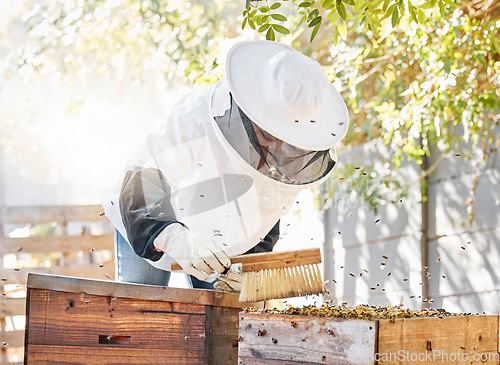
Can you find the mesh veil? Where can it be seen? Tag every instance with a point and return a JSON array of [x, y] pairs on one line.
[[278, 160]]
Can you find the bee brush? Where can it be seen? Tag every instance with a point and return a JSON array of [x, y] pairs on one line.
[[276, 275]]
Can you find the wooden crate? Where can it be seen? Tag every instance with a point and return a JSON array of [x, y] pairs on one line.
[[73, 320], [448, 340], [289, 339]]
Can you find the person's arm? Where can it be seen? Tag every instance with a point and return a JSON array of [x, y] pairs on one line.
[[152, 227], [267, 244], [145, 209]]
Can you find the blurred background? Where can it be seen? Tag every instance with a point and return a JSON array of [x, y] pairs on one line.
[[411, 214]]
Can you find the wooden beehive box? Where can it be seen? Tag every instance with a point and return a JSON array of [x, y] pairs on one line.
[[269, 338], [80, 321]]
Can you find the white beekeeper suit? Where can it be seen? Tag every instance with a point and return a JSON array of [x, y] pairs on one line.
[[230, 160]]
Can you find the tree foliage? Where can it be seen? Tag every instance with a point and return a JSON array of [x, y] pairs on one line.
[[336, 14], [433, 88], [423, 78], [124, 39]]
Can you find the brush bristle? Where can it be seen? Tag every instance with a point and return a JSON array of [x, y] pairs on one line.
[[281, 283]]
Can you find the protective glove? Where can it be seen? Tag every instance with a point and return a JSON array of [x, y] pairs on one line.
[[197, 254], [232, 281]]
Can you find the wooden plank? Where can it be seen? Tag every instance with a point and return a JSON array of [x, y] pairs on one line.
[[256, 361], [119, 355], [287, 339], [91, 271], [441, 340], [12, 307], [13, 338], [43, 214], [27, 327], [79, 319], [56, 244], [136, 291], [223, 334], [272, 260]]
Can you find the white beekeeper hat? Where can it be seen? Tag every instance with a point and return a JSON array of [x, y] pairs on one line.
[[287, 94]]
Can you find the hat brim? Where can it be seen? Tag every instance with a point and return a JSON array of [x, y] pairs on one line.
[[244, 70]]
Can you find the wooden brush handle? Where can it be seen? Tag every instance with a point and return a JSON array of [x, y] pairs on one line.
[[272, 260]]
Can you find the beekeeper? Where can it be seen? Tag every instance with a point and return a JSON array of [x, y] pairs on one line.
[[229, 161]]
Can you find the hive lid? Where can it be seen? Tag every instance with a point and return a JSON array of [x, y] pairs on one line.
[[133, 291]]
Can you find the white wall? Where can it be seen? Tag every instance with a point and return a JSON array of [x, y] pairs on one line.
[[461, 280]]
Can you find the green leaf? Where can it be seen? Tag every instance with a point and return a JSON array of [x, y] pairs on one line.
[[341, 10], [314, 32], [395, 17], [441, 9], [251, 24], [427, 5], [243, 25], [261, 19], [263, 27], [302, 20], [315, 21], [280, 29], [270, 36], [421, 16], [482, 60], [279, 17], [496, 44], [332, 16], [342, 30], [362, 20], [275, 6], [413, 14], [304, 4], [264, 9], [313, 14], [386, 4], [391, 9], [327, 4]]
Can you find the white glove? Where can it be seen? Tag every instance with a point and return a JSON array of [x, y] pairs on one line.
[[232, 281], [197, 254]]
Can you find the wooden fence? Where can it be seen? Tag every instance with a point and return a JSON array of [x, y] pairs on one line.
[[63, 240]]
